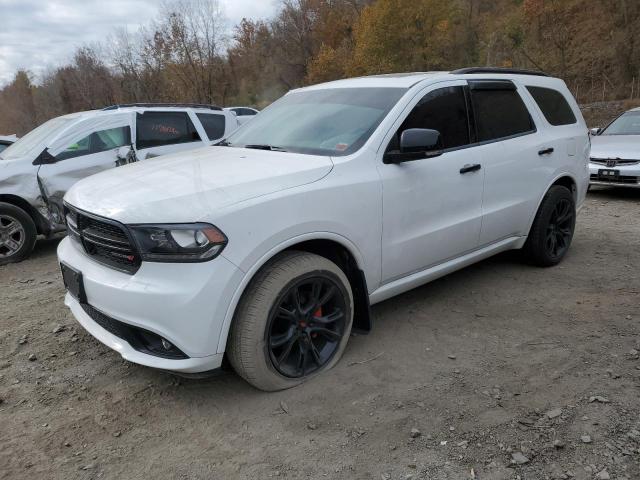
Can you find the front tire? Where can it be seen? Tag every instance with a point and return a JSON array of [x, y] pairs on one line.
[[292, 323], [17, 234], [553, 228]]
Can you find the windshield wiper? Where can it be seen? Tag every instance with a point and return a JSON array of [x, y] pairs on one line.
[[222, 143], [266, 147]]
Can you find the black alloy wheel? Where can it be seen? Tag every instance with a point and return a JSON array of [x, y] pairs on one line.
[[560, 229], [553, 227], [306, 326]]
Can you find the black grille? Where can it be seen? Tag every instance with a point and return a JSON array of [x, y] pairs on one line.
[[620, 180], [141, 340], [104, 240]]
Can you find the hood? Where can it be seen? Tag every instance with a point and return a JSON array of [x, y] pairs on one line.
[[616, 146], [190, 186], [21, 162]]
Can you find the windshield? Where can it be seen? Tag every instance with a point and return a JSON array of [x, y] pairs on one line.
[[332, 122], [626, 124], [35, 139]]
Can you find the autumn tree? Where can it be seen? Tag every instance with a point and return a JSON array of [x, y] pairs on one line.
[[188, 53], [18, 106], [408, 35], [334, 39], [255, 78]]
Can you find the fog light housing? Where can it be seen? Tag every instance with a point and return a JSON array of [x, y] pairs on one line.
[[140, 339]]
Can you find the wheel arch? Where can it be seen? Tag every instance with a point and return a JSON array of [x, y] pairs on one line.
[[335, 248], [42, 227], [564, 179], [344, 258]]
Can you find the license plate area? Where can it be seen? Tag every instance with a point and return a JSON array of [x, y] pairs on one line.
[[73, 282], [608, 175]]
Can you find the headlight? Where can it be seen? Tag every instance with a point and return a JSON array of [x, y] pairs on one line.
[[196, 242]]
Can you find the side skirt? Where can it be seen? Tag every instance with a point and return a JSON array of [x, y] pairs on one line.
[[425, 276]]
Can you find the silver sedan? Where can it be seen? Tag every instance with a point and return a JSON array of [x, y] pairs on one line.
[[615, 152]]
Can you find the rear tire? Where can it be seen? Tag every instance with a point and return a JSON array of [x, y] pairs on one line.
[[17, 234], [552, 229], [282, 309]]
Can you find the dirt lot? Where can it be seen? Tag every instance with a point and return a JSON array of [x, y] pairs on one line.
[[490, 366]]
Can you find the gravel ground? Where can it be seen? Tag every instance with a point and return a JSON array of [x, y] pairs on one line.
[[499, 371]]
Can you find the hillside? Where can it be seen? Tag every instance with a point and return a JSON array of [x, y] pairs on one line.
[[186, 56]]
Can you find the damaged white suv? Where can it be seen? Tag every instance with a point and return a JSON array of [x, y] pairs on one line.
[[271, 247], [38, 169]]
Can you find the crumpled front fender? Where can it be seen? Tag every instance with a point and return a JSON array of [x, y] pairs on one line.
[[19, 185]]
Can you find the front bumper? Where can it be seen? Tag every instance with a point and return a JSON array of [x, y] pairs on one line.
[[184, 303], [629, 175]]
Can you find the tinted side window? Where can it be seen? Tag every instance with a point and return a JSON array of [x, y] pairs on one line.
[[155, 129], [213, 124], [110, 139], [444, 110], [553, 105], [500, 114], [246, 111], [97, 142]]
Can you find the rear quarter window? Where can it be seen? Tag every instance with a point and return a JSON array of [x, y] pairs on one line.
[[155, 129], [500, 113], [554, 106], [213, 124]]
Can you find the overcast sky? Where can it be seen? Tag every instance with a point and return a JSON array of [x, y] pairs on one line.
[[38, 34]]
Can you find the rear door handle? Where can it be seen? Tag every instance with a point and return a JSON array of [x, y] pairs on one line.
[[470, 168], [546, 151]]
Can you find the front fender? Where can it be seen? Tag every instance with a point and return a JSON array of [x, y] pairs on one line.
[[264, 258], [19, 186]]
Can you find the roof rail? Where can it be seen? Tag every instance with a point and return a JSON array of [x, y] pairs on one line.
[[514, 71], [151, 105]]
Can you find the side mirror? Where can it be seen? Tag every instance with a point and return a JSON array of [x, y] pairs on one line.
[[125, 155], [595, 131], [419, 140], [45, 158], [416, 144], [123, 152]]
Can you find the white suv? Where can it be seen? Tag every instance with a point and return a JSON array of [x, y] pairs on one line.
[[271, 247], [38, 169]]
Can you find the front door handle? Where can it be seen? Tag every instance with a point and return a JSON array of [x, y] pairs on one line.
[[546, 151], [470, 168]]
